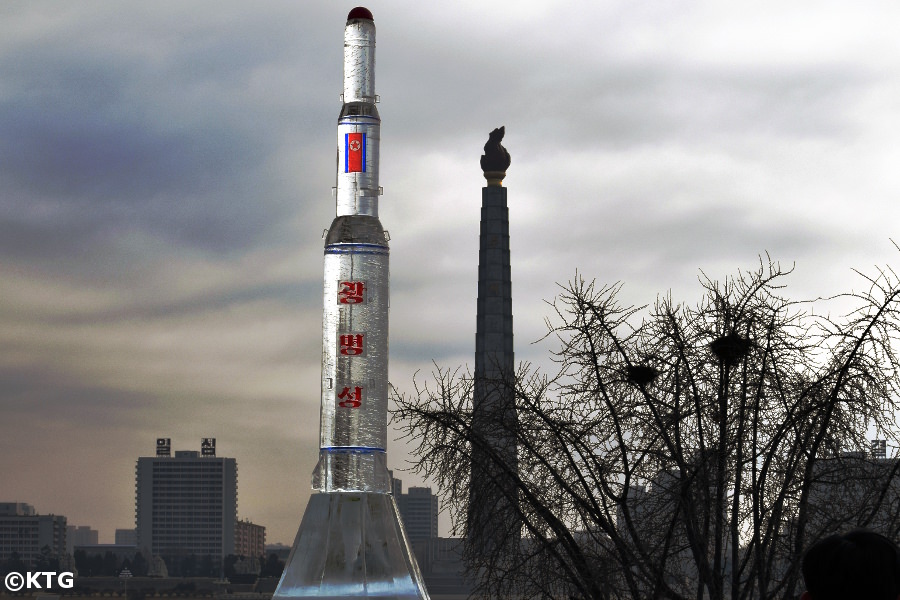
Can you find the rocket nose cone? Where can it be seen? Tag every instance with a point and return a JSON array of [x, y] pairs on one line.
[[360, 12]]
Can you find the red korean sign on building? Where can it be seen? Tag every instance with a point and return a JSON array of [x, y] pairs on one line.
[[354, 153]]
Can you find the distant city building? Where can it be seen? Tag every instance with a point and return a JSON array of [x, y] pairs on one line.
[[396, 484], [17, 509], [126, 537], [80, 535], [249, 539], [855, 489], [419, 511], [187, 504], [121, 552], [440, 559], [441, 563], [26, 533], [658, 520]]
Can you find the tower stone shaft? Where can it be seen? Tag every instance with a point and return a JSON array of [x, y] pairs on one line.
[[493, 505]]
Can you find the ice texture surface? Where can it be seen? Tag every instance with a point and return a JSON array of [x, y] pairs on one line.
[[353, 418], [351, 545]]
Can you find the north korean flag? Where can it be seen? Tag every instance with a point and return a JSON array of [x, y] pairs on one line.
[[354, 153]]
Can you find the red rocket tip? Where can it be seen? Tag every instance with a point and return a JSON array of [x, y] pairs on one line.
[[360, 12]]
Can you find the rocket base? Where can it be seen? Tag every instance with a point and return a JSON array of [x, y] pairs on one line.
[[351, 544]]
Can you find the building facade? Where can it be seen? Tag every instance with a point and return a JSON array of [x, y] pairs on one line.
[[126, 537], [80, 535], [419, 511], [442, 565], [249, 539], [26, 533], [186, 505], [855, 489]]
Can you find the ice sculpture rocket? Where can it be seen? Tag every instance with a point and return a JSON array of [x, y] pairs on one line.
[[351, 541]]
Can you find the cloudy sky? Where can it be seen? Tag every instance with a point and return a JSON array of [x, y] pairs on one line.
[[166, 172]]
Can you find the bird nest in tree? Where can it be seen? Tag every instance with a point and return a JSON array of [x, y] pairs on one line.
[[641, 374], [730, 348]]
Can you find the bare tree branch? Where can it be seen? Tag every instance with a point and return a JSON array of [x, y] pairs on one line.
[[677, 452]]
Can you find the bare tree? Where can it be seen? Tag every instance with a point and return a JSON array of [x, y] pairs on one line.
[[679, 452]]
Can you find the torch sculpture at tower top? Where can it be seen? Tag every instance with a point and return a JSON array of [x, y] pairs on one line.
[[351, 541]]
